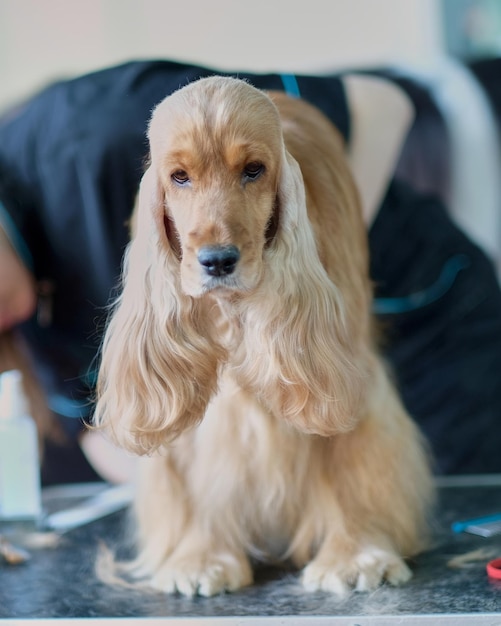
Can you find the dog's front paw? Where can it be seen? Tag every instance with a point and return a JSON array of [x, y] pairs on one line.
[[364, 572], [203, 575]]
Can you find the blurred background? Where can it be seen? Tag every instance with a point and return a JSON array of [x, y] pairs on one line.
[[446, 53], [49, 39]]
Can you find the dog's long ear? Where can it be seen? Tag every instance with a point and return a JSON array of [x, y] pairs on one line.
[[302, 355], [159, 363]]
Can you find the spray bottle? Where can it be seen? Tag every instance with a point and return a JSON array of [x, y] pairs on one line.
[[20, 490]]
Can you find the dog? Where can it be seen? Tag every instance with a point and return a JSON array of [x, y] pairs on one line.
[[240, 359]]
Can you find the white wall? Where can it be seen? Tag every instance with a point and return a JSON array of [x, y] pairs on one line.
[[42, 40]]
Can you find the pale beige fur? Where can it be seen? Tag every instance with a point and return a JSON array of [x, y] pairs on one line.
[[269, 426]]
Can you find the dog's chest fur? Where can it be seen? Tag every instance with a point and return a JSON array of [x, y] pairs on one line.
[[250, 468]]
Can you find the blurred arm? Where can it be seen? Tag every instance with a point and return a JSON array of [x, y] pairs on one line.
[[381, 115]]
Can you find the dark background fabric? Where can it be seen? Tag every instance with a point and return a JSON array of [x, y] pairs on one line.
[[445, 351]]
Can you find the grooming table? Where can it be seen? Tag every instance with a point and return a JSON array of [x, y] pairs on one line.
[[58, 584]]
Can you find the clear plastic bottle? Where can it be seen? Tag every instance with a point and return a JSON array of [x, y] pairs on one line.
[[20, 490]]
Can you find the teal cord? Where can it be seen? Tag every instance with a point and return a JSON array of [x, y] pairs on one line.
[[420, 299]]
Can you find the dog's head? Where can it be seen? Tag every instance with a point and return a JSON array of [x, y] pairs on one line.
[[222, 211], [216, 154]]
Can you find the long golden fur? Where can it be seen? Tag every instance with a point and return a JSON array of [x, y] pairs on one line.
[[252, 387]]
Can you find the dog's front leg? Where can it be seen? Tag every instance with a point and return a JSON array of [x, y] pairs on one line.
[[184, 545], [344, 563], [202, 566]]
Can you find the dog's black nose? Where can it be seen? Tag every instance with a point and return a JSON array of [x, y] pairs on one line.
[[218, 260]]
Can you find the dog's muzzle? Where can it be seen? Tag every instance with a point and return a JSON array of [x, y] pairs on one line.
[[218, 260]]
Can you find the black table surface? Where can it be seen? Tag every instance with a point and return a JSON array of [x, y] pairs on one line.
[[59, 583]]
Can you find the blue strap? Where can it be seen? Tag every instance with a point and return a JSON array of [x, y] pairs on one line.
[[420, 299], [291, 87]]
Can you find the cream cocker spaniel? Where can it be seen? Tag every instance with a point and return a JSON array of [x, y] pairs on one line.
[[240, 359]]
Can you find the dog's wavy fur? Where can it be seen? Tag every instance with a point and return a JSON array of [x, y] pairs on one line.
[[268, 423]]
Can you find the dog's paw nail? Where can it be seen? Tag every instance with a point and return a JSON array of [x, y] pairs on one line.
[[365, 572], [212, 582], [398, 574], [368, 581], [375, 566], [187, 585], [317, 578], [204, 576]]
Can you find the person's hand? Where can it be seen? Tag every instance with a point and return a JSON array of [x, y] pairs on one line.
[[17, 287]]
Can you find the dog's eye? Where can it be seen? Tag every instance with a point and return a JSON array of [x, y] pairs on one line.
[[180, 177], [253, 170]]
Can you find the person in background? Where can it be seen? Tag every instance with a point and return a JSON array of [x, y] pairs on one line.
[[71, 159]]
